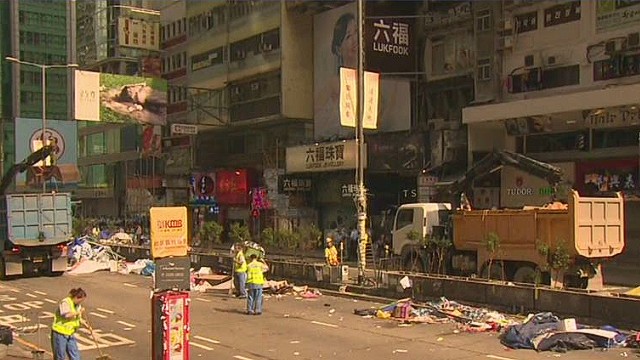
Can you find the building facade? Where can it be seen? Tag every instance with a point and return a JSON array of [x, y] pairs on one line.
[[117, 37], [569, 82], [40, 32]]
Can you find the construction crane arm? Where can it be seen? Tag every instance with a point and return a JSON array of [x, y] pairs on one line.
[[35, 157]]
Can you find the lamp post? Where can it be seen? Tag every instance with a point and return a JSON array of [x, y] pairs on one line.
[[43, 68], [361, 200]]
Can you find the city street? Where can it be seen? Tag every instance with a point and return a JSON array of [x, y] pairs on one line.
[[290, 328]]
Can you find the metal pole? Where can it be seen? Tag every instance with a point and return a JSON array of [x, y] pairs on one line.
[[361, 197], [44, 119]]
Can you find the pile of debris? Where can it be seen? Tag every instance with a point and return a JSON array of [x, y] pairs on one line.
[[467, 318], [547, 332], [87, 256]]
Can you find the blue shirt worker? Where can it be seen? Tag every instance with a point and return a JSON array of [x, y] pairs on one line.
[[255, 281], [67, 320]]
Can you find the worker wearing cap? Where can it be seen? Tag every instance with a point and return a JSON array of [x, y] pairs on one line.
[[331, 253]]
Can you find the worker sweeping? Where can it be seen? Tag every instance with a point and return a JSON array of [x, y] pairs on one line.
[[67, 320]]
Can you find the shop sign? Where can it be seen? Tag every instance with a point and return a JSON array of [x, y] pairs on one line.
[[349, 190], [184, 129], [322, 157], [390, 44], [232, 187], [612, 118], [169, 231], [520, 188], [295, 184], [615, 14], [460, 11], [562, 13], [526, 22], [408, 194]]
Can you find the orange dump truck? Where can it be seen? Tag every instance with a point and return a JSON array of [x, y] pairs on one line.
[[558, 246]]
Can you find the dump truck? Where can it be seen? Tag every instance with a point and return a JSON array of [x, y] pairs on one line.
[[34, 227], [562, 245]]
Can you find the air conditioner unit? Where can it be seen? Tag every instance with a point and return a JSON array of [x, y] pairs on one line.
[[506, 42], [508, 24]]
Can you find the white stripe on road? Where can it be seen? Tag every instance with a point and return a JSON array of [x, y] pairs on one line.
[[98, 315], [32, 296], [241, 357], [203, 300], [125, 324], [105, 311], [324, 324], [206, 339], [129, 285], [498, 357], [200, 346], [40, 292], [14, 290], [50, 301]]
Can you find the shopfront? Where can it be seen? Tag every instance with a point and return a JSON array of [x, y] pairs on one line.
[[330, 169]]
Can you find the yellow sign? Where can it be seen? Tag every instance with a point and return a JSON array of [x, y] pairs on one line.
[[169, 231]]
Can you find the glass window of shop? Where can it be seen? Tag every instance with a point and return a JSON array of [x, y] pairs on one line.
[[96, 176], [614, 138], [112, 139], [96, 144]]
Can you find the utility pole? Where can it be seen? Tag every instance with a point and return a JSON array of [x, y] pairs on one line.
[[361, 200]]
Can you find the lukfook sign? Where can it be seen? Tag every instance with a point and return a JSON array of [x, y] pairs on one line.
[[390, 45], [391, 37], [317, 157]]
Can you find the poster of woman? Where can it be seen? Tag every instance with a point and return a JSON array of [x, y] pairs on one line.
[[335, 46]]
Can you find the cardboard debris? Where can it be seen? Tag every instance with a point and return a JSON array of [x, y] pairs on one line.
[[634, 292]]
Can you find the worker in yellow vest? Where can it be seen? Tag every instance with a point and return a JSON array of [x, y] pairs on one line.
[[240, 272], [255, 281], [331, 253], [67, 320]]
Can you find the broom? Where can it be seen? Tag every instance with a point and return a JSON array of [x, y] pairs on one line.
[[102, 355]]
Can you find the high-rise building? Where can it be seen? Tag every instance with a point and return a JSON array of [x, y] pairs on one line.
[[116, 37], [40, 32]]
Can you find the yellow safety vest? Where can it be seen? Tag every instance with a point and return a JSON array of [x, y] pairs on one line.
[[242, 268], [254, 273], [331, 254], [64, 326]]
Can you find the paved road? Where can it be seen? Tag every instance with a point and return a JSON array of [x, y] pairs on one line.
[[290, 328]]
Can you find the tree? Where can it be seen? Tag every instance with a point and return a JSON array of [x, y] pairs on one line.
[[211, 231], [239, 233], [492, 243]]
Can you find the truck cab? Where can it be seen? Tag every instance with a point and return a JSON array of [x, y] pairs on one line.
[[424, 218]]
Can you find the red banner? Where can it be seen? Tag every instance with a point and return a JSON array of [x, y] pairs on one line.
[[232, 187]]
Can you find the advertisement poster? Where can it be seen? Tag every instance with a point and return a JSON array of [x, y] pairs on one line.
[[336, 46], [616, 14], [60, 168], [121, 98], [139, 34], [169, 231], [176, 328]]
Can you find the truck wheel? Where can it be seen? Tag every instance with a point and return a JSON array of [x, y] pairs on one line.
[[526, 275], [413, 263], [493, 273]]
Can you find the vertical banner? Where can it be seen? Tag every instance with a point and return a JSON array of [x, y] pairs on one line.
[[87, 95], [169, 231], [371, 97], [348, 97]]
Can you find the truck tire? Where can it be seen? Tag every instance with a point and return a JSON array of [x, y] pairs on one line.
[[495, 272], [527, 275], [413, 262]]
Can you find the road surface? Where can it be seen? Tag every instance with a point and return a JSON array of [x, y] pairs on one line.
[[119, 309]]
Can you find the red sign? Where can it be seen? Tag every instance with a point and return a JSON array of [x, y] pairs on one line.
[[232, 187], [608, 175]]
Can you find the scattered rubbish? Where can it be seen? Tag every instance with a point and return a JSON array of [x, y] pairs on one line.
[[332, 311], [439, 339], [294, 342], [400, 351], [296, 353]]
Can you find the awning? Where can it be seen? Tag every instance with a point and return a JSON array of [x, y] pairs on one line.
[[621, 95]]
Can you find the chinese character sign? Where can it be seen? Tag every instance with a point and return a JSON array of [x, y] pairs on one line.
[[322, 157], [169, 231], [371, 96], [136, 33], [348, 96], [390, 45]]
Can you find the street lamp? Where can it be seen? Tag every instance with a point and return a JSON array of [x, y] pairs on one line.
[[361, 200], [43, 68]]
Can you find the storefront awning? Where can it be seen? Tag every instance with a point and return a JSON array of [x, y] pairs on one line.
[[621, 95]]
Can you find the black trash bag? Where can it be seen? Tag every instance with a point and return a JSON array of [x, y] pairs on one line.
[[567, 341], [365, 312], [521, 336], [6, 335]]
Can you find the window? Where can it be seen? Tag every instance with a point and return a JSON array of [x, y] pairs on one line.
[[404, 218], [538, 79], [613, 138], [569, 141], [483, 20], [96, 144], [437, 58], [617, 66], [484, 69]]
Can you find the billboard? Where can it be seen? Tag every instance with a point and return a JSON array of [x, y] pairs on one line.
[[322, 157], [169, 231], [120, 98], [616, 14], [61, 169], [335, 46], [396, 152], [139, 34]]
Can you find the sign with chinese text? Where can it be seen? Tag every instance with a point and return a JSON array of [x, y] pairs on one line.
[[184, 129], [232, 187], [322, 157], [349, 190], [348, 98], [289, 184], [616, 14], [390, 45], [605, 176], [139, 34], [169, 231], [526, 22], [562, 13]]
